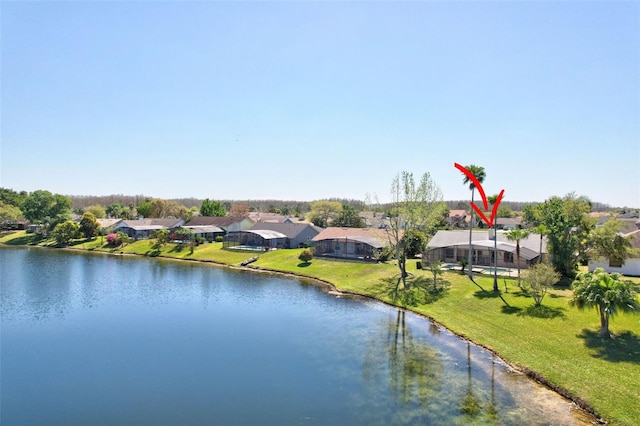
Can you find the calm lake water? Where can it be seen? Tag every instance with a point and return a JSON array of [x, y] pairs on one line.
[[107, 340]]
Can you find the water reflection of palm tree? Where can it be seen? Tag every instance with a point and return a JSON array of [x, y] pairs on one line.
[[491, 410], [470, 403], [415, 369]]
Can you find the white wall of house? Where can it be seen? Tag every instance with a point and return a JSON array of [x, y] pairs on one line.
[[630, 267]]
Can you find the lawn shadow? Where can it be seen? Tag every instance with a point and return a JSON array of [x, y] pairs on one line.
[[419, 290], [510, 310], [304, 264], [623, 347], [554, 296], [542, 311], [26, 240], [484, 294], [177, 248]]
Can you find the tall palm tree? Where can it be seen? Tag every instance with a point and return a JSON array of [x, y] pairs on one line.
[[517, 235], [479, 174], [542, 230]]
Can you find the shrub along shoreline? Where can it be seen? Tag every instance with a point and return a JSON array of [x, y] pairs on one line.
[[556, 345]]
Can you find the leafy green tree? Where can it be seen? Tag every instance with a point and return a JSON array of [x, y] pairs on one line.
[[144, 208], [306, 255], [605, 292], [9, 213], [348, 218], [480, 175], [118, 211], [415, 241], [11, 197], [606, 241], [61, 206], [158, 208], [322, 212], [89, 226], [517, 235], [568, 225], [162, 238], [212, 208], [413, 208], [538, 279], [504, 211], [64, 232], [37, 206], [97, 211], [46, 208]]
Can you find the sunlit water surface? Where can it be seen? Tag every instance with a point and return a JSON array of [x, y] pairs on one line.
[[110, 340]]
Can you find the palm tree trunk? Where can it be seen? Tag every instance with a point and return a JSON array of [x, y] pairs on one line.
[[604, 323], [495, 257], [471, 238], [518, 260], [540, 258]]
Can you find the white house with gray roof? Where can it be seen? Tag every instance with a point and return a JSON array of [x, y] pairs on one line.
[[453, 246]]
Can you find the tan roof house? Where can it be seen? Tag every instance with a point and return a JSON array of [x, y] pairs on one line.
[[351, 243]]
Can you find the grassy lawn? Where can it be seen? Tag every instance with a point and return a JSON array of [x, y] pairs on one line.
[[557, 343]]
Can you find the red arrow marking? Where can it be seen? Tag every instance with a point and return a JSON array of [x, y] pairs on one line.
[[477, 184]]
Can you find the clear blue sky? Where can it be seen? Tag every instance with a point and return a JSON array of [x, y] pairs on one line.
[[309, 100]]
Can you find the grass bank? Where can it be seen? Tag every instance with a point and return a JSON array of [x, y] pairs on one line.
[[556, 344]]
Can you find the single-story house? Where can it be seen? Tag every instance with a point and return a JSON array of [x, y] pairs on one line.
[[227, 223], [350, 243], [255, 239], [630, 266], [453, 246], [298, 234], [208, 232], [143, 228]]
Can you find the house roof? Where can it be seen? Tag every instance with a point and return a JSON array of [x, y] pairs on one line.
[[459, 213], [509, 220], [634, 237], [291, 230], [163, 223], [220, 221], [372, 236], [529, 247], [267, 234], [205, 229], [106, 223], [146, 227]]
